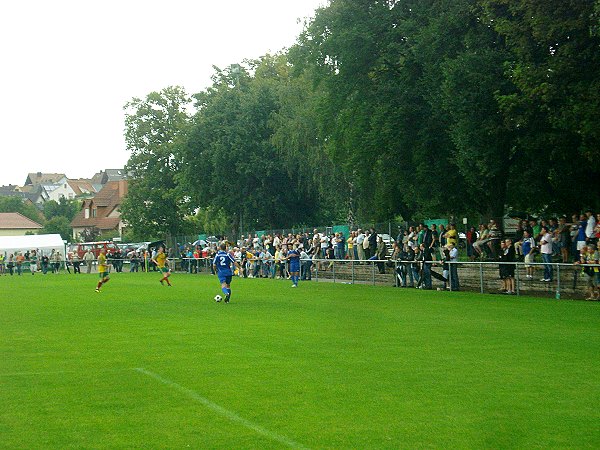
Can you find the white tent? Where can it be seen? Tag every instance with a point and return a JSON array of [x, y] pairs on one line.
[[43, 242]]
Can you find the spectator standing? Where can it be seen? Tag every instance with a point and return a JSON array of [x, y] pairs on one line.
[[507, 271], [33, 262], [427, 237], [133, 261], [443, 241], [563, 235], [324, 242], [546, 251], [436, 249], [11, 264], [341, 245], [589, 255], [411, 268], [268, 267], [453, 253], [471, 237], [366, 244], [20, 259], [56, 262], [380, 254], [44, 261], [88, 258], [2, 258], [359, 243], [528, 249], [334, 241], [75, 261], [427, 261], [451, 235], [350, 244], [589, 227], [305, 265], [580, 236], [372, 242], [536, 229]]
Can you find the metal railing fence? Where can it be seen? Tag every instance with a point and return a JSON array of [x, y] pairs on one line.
[[567, 280]]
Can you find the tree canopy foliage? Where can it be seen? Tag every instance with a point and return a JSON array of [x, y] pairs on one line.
[[383, 108], [26, 208]]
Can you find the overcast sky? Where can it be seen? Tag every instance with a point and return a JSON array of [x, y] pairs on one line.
[[68, 67]]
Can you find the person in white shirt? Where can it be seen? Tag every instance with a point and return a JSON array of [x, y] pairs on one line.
[[305, 264], [453, 252], [268, 267], [358, 242], [324, 244], [546, 251], [589, 227]]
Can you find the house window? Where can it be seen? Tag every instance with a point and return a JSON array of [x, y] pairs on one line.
[[94, 212], [86, 213], [70, 196]]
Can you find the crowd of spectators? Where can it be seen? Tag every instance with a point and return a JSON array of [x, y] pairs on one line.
[[30, 261], [414, 253]]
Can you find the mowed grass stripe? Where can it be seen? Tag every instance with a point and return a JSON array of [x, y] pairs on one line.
[[334, 366]]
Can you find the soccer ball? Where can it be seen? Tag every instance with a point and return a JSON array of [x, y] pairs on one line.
[[218, 298]]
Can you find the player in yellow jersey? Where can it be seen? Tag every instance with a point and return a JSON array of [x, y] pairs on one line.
[[102, 270], [161, 262]]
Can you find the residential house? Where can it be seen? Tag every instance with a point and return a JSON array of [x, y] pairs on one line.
[[41, 187], [71, 189], [104, 176], [40, 178], [16, 224], [34, 194], [102, 211], [83, 188]]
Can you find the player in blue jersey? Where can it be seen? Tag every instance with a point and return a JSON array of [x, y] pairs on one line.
[[293, 257], [222, 264]]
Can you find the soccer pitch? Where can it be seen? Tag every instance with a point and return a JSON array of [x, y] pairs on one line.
[[326, 365]]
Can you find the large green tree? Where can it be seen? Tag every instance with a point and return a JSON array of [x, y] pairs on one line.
[[555, 111], [62, 208], [26, 208], [155, 133], [380, 67], [59, 225], [231, 162]]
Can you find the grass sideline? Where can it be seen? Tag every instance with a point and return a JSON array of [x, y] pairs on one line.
[[322, 366]]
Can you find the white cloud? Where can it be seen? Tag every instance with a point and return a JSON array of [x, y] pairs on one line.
[[68, 67]]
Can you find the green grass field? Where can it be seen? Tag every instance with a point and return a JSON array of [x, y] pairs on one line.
[[322, 366]]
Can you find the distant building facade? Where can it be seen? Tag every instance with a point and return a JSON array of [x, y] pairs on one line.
[[16, 224], [102, 211]]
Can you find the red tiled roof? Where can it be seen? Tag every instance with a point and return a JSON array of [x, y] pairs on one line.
[[81, 186], [12, 221], [106, 201]]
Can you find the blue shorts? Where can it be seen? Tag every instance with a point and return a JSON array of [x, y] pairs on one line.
[[225, 278], [294, 267]]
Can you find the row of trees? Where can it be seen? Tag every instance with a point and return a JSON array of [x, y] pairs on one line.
[[383, 108]]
